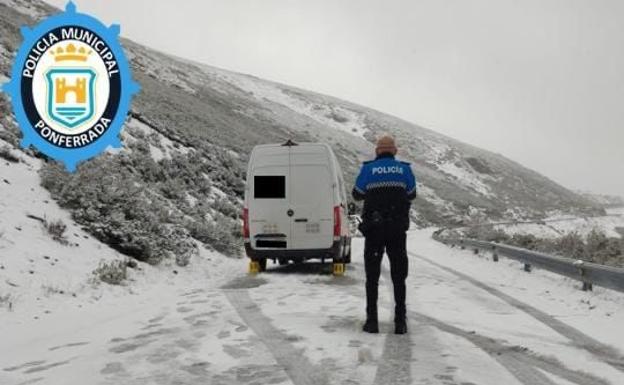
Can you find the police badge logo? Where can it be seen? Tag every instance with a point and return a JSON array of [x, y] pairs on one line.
[[71, 87]]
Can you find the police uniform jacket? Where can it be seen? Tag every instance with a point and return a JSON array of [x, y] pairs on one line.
[[387, 186]]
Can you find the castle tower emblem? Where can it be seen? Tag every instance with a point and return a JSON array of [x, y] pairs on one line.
[[71, 86]]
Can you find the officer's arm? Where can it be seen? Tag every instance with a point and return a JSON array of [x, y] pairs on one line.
[[410, 183], [359, 190]]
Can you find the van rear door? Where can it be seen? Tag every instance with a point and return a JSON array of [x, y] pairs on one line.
[[269, 224], [311, 198]]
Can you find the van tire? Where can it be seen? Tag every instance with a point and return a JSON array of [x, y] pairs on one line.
[[282, 261], [263, 264], [347, 257]]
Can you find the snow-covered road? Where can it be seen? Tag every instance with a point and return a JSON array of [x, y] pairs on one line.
[[472, 321]]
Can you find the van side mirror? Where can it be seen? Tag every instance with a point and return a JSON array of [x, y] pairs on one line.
[[352, 208]]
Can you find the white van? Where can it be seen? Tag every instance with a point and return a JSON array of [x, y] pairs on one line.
[[295, 205]]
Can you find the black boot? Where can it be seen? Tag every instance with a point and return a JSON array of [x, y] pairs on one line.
[[400, 326], [371, 325]]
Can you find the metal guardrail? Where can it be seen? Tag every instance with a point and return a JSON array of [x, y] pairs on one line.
[[586, 272]]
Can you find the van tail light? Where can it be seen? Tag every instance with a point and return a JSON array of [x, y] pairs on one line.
[[337, 224], [246, 224]]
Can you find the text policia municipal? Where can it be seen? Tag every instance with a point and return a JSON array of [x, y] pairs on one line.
[[70, 33]]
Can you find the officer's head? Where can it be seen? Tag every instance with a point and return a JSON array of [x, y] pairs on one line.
[[386, 145]]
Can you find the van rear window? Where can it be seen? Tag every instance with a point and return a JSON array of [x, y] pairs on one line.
[[269, 186]]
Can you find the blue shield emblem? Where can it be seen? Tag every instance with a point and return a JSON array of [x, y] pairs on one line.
[[71, 93]]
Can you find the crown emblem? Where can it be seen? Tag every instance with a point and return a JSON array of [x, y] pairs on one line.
[[70, 53]]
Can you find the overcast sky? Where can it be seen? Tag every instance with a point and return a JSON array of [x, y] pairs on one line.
[[539, 81]]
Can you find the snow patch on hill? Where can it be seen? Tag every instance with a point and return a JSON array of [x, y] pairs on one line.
[[161, 70], [161, 147], [449, 162], [556, 226], [328, 114], [612, 201]]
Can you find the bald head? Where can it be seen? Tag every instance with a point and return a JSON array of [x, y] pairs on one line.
[[386, 145]]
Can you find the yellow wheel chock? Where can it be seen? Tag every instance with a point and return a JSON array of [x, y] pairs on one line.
[[339, 269], [254, 267]]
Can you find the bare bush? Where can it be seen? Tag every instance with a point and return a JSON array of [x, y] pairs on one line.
[[221, 237], [572, 245], [226, 208], [602, 249], [487, 233], [526, 241], [6, 154], [56, 229], [6, 300], [113, 273]]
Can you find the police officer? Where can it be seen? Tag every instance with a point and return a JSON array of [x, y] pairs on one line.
[[387, 187]]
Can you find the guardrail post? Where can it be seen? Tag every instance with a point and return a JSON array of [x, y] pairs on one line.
[[494, 254], [527, 267], [587, 285]]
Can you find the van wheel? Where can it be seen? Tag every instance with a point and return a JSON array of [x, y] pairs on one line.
[[263, 263], [282, 261]]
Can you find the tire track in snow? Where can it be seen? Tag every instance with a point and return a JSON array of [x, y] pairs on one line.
[[300, 370], [520, 362], [394, 365], [524, 365], [603, 352], [395, 362]]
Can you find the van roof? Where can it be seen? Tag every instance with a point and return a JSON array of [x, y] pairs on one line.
[[275, 149], [304, 144]]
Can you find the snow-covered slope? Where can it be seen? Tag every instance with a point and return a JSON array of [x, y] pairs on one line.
[[32, 263], [192, 103], [608, 201], [458, 182]]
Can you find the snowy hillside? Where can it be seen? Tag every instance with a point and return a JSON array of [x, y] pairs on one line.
[[458, 182], [607, 201], [201, 106], [47, 258], [611, 224]]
